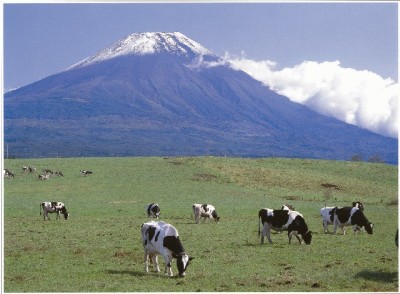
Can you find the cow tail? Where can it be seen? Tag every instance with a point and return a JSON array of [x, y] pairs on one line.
[[259, 224], [40, 209]]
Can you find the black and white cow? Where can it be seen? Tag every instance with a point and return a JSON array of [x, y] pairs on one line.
[[350, 216], [53, 172], [7, 174], [153, 210], [44, 177], [283, 220], [85, 172], [57, 173], [53, 207], [162, 238], [205, 211], [327, 214], [28, 169]]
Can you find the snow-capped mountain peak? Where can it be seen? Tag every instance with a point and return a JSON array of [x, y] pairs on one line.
[[147, 43]]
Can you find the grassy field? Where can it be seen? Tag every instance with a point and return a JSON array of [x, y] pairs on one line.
[[98, 249]]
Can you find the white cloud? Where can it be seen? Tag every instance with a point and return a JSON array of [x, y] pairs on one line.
[[361, 98], [199, 62]]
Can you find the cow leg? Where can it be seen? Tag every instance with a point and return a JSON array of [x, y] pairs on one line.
[[168, 269], [290, 235], [146, 261], [153, 258], [325, 225], [298, 238], [334, 228], [155, 262], [263, 233], [266, 232]]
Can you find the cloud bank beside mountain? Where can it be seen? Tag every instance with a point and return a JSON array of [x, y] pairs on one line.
[[361, 98]]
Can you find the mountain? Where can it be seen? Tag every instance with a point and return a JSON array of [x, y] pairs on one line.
[[165, 94]]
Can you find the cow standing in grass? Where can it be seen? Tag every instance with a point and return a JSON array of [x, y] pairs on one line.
[[327, 214], [283, 220], [205, 211], [44, 177], [53, 207], [162, 238], [350, 216], [85, 172], [28, 169], [153, 210], [7, 174]]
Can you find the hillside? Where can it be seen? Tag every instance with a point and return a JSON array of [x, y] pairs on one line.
[[101, 238]]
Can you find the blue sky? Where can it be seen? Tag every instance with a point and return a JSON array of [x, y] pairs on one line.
[[339, 59], [43, 39]]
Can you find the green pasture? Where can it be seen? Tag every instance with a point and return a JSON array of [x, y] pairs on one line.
[[98, 249]]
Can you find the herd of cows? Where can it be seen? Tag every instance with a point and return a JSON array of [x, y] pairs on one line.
[[45, 175], [160, 238]]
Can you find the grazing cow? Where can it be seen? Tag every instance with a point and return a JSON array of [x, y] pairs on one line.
[[52, 172], [44, 177], [85, 172], [327, 214], [7, 174], [162, 238], [283, 220], [205, 211], [350, 216], [57, 173], [153, 210], [53, 207], [28, 169]]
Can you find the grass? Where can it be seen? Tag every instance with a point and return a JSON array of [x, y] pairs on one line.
[[99, 249]]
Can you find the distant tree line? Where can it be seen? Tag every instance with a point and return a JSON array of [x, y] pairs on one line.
[[376, 158]]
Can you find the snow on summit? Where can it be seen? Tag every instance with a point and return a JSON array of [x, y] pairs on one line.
[[147, 43]]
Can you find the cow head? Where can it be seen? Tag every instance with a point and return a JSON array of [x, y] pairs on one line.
[[65, 212], [369, 227], [215, 216], [182, 261], [307, 237], [359, 205], [156, 210]]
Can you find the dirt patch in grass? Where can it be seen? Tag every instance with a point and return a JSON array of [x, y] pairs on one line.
[[18, 278], [122, 254], [203, 177], [330, 186]]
